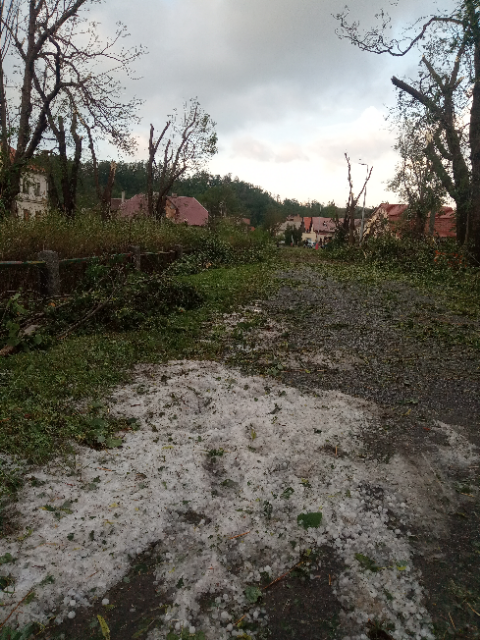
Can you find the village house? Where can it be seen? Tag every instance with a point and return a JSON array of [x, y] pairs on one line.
[[308, 233], [323, 228], [179, 209], [388, 218], [32, 201], [316, 228], [292, 222]]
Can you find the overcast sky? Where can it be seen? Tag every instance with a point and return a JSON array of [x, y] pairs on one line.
[[289, 97]]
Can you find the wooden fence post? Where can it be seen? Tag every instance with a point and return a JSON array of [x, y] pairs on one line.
[[49, 273], [137, 257], [178, 251]]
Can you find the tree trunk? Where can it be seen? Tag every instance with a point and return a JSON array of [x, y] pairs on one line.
[[63, 160], [462, 193], [106, 204], [160, 205], [75, 165], [53, 195], [151, 158], [351, 234], [473, 228], [6, 160], [431, 224]]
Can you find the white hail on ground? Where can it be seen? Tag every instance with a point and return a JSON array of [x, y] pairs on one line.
[[220, 454]]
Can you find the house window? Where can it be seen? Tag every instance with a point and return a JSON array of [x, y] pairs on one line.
[[25, 186]]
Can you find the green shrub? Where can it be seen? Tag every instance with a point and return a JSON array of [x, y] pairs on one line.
[[122, 299], [226, 246]]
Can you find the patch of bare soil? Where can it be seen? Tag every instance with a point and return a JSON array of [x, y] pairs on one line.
[[304, 608], [130, 609]]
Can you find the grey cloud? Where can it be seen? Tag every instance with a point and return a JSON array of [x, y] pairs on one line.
[[286, 93], [254, 149], [253, 61], [248, 147]]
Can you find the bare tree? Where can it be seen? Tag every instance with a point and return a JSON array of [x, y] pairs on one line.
[[349, 220], [62, 62], [190, 143], [29, 26], [448, 90]]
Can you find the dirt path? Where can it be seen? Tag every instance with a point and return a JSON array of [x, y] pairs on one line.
[[377, 343], [230, 458]]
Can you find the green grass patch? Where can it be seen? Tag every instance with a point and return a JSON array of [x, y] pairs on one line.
[[52, 397]]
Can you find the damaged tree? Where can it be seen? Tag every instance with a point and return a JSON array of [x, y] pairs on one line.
[[349, 220], [59, 53], [415, 179], [64, 199], [190, 143], [448, 86], [29, 26]]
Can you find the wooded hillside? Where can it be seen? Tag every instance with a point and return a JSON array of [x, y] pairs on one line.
[[221, 195]]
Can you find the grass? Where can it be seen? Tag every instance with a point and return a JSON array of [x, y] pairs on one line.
[[41, 391], [87, 235]]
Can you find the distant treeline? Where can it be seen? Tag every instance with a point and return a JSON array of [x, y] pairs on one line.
[[220, 195]]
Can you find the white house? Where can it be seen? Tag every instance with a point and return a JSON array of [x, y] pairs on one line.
[[32, 199]]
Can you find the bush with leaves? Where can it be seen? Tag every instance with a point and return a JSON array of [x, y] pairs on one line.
[[13, 325], [218, 250], [121, 299]]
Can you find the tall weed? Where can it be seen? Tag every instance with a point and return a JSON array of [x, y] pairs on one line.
[[88, 235]]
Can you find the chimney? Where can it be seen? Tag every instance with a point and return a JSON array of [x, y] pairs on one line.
[[123, 197]]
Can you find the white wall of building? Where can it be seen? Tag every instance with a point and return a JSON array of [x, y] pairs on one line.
[[32, 199]]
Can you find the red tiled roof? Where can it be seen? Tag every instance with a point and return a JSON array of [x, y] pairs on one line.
[[394, 210], [307, 223], [134, 206], [326, 225], [444, 221], [189, 210]]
